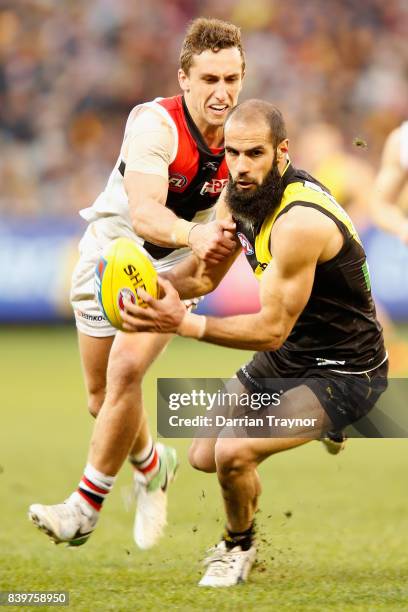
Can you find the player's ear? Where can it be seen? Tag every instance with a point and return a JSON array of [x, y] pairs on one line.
[[183, 80], [282, 149]]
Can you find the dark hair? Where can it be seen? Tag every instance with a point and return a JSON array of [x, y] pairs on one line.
[[213, 34], [259, 109]]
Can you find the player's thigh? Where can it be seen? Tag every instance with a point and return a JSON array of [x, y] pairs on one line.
[[131, 355], [305, 419], [94, 352]]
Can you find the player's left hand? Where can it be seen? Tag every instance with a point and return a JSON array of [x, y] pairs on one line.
[[163, 316]]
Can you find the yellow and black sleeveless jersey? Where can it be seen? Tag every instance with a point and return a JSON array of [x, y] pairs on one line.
[[338, 328]]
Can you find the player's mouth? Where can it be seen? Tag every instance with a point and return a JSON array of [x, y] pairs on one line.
[[219, 109], [245, 184]]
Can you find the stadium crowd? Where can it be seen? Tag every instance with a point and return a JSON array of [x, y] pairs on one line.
[[70, 71]]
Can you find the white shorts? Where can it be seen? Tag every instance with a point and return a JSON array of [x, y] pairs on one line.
[[88, 316]]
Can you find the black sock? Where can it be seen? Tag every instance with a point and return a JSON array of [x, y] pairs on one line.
[[243, 539]]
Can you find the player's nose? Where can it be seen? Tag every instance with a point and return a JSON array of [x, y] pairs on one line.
[[242, 167], [221, 92]]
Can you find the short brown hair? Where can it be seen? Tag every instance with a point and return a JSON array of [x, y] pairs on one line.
[[213, 34]]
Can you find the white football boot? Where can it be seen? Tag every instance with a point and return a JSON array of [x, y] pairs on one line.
[[151, 499], [71, 522], [227, 568]]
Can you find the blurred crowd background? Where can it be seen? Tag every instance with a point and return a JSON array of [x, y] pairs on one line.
[[70, 71]]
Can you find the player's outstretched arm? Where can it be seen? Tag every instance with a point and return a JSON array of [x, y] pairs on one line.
[[156, 223], [285, 289], [194, 277], [150, 148], [390, 179]]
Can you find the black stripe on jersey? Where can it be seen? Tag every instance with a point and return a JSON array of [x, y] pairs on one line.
[[344, 231], [294, 175], [197, 136], [250, 232]]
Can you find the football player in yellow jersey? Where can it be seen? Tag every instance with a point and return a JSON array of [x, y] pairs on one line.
[[317, 320]]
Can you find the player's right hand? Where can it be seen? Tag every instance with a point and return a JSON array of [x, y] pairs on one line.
[[213, 241]]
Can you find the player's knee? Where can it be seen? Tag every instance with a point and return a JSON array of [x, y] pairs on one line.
[[202, 458], [95, 401], [233, 458], [124, 372]]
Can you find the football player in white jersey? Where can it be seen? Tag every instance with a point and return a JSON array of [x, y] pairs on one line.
[[387, 200], [135, 204]]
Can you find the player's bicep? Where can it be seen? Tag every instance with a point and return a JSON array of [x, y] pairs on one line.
[[142, 188], [287, 288], [150, 144], [149, 152], [287, 282]]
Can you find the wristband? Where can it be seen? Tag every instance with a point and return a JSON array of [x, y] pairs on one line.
[[193, 225], [192, 326], [181, 231]]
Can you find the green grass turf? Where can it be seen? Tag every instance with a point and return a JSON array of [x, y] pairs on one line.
[[344, 547]]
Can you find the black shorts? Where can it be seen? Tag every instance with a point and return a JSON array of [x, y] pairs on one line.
[[346, 398]]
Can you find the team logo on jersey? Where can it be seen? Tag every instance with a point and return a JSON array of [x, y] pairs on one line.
[[211, 166], [321, 361], [246, 245], [213, 187], [177, 181]]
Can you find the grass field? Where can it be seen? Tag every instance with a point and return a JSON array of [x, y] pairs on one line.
[[334, 530]]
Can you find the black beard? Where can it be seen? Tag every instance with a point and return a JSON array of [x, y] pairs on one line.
[[255, 205]]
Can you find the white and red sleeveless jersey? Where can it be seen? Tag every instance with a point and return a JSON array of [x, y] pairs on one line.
[[196, 174]]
